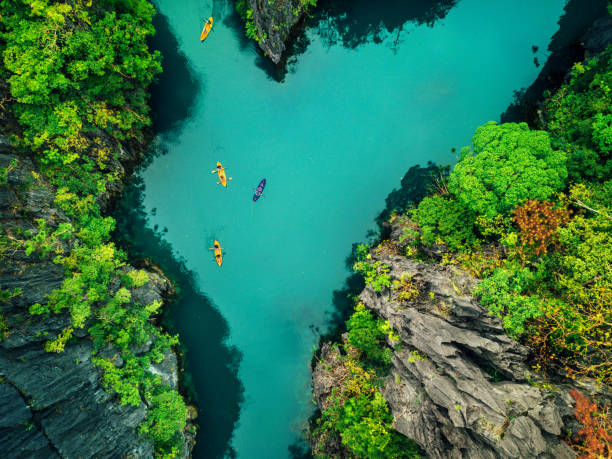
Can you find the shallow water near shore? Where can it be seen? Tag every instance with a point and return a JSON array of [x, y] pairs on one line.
[[332, 139]]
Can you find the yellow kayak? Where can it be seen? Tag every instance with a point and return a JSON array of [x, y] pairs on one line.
[[221, 173], [206, 29], [218, 254]]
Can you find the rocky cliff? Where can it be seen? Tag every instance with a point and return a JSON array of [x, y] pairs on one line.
[[275, 22], [458, 385], [52, 404]]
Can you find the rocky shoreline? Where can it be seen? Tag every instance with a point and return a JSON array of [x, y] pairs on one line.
[[458, 385], [276, 23], [53, 403]]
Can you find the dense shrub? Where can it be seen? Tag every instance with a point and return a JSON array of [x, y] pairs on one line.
[[594, 440], [375, 273], [509, 163], [508, 293], [445, 219], [369, 334], [579, 117], [538, 222], [166, 420], [357, 411]]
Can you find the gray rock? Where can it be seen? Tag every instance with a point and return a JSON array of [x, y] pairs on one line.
[[458, 385], [274, 22], [52, 404], [449, 393], [598, 36]]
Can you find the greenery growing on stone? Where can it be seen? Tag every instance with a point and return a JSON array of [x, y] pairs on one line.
[[508, 164], [445, 219], [375, 274], [369, 334], [245, 11], [579, 115], [553, 285], [357, 412], [78, 74]]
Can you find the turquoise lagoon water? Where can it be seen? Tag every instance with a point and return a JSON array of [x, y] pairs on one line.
[[332, 140]]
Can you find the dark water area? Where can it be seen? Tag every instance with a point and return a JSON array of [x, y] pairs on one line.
[[353, 23], [564, 50], [176, 90], [218, 399], [376, 91]]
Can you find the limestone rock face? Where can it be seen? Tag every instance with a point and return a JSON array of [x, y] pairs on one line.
[[52, 405], [466, 395], [598, 36], [275, 21], [458, 385]]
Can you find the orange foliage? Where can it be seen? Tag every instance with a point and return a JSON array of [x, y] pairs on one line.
[[594, 441], [538, 222]]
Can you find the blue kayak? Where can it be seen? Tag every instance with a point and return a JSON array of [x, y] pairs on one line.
[[259, 190]]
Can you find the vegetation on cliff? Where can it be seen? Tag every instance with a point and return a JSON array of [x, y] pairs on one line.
[[356, 411], [529, 213], [245, 10], [532, 217], [78, 74]]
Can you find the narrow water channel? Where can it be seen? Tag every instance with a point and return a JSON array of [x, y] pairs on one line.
[[369, 97]]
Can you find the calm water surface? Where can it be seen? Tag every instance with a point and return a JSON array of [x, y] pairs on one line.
[[332, 140]]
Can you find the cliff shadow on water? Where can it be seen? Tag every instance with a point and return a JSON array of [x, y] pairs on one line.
[[176, 89], [352, 23], [418, 182], [215, 373]]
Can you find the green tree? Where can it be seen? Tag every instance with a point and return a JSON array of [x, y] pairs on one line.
[[369, 335], [446, 219], [509, 163]]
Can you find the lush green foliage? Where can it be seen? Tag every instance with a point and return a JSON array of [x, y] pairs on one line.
[[509, 164], [166, 419], [78, 75], [445, 219], [507, 293], [75, 69], [579, 117], [357, 411], [375, 274], [369, 335]]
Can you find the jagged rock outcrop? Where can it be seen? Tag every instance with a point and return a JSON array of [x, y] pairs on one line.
[[275, 22], [458, 385], [52, 404]]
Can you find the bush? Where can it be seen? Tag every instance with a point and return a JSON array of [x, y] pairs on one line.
[[446, 219], [359, 414], [579, 117], [509, 164], [369, 335], [594, 440], [538, 222], [375, 274], [507, 294], [166, 420]]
